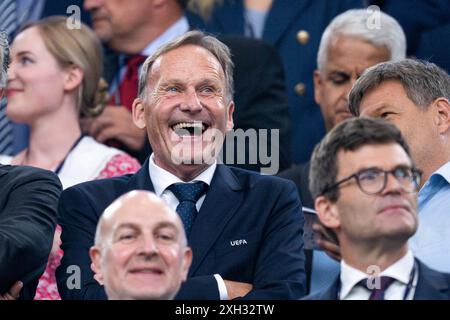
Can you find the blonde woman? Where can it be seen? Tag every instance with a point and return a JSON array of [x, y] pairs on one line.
[[53, 80]]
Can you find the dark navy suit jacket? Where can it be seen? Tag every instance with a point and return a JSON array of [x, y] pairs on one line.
[[240, 205], [28, 203], [431, 285]]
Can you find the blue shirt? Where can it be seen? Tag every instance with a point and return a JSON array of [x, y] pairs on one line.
[[431, 241]]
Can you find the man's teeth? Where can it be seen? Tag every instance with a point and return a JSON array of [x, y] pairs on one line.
[[188, 125]]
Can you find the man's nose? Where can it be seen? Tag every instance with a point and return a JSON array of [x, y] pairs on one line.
[[191, 101], [348, 88], [91, 4], [147, 245], [392, 184]]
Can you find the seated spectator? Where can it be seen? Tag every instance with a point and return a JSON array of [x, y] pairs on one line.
[[244, 228], [365, 188], [415, 96], [28, 202], [346, 49], [140, 249], [53, 80]]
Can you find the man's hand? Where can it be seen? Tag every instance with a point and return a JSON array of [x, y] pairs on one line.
[[237, 289], [115, 122], [13, 293], [327, 241]]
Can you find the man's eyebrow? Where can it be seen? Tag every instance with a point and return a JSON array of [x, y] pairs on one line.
[[339, 73], [166, 224], [127, 225], [171, 82]]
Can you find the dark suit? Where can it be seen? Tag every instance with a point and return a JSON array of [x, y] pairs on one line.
[[240, 205], [416, 18], [28, 203], [299, 174], [434, 46], [284, 20], [431, 285]]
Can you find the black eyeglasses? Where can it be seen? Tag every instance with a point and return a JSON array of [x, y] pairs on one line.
[[373, 180]]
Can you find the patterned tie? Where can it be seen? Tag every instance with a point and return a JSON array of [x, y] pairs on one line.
[[128, 88], [188, 195], [377, 293], [8, 25]]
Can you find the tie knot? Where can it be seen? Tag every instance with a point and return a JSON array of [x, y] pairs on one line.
[[188, 191], [377, 286]]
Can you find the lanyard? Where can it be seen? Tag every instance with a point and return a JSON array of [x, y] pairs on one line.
[[408, 288], [58, 169]]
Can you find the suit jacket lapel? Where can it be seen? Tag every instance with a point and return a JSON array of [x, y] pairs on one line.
[[221, 202], [431, 284], [281, 15], [141, 179]]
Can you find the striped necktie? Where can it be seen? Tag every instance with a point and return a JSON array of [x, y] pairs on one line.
[[8, 25]]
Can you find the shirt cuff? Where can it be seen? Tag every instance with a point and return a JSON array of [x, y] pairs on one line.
[[223, 293]]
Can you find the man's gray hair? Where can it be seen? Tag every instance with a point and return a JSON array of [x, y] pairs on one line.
[[355, 23], [4, 53], [423, 82], [197, 38]]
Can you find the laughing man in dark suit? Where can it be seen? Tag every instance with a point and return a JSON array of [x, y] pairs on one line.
[[245, 229]]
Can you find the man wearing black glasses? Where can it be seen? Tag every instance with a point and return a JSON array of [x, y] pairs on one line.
[[365, 188]]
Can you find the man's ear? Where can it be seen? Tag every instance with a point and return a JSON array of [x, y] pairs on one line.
[[138, 113], [327, 212], [73, 78], [230, 122], [318, 87], [96, 258], [187, 260], [442, 107]]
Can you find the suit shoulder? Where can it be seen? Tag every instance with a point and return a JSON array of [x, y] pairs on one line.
[[434, 274], [255, 179], [99, 186], [26, 174]]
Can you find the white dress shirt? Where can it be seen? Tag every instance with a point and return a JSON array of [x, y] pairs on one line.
[[162, 179], [400, 271]]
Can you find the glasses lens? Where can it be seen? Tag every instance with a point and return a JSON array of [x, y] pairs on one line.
[[371, 180], [407, 177]]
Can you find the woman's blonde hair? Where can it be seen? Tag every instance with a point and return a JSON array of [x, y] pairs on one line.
[[77, 47]]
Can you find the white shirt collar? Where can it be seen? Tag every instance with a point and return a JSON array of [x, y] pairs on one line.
[[180, 27], [162, 178], [400, 271]]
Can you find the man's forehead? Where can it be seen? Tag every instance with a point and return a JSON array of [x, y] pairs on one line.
[[145, 218], [385, 156]]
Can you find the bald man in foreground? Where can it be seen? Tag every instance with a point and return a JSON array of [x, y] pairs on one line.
[[140, 249]]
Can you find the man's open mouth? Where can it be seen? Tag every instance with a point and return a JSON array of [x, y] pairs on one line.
[[195, 128]]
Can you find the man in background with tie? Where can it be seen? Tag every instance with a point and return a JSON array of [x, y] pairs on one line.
[[365, 188], [245, 229]]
